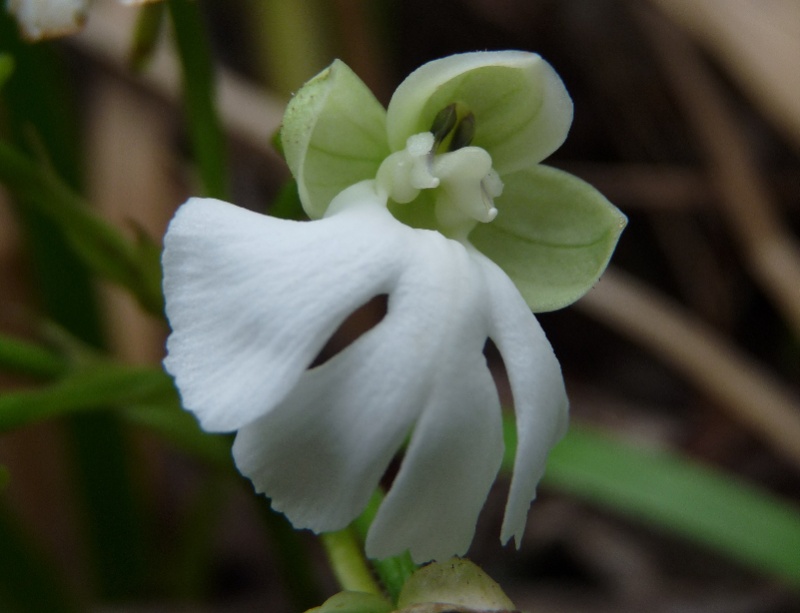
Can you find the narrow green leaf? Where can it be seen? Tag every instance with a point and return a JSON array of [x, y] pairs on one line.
[[146, 35], [676, 494], [554, 235], [204, 126], [39, 114], [97, 243], [165, 418], [26, 358], [85, 390]]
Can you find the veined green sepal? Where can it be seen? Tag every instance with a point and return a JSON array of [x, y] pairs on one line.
[[333, 136], [522, 110], [554, 235]]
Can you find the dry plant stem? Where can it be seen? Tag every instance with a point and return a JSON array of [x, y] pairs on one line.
[[716, 367], [759, 45], [772, 254]]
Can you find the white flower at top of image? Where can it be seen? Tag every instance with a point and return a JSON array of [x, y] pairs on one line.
[[440, 204], [40, 19]]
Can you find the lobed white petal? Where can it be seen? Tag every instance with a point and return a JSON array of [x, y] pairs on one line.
[[320, 454], [537, 385], [253, 299]]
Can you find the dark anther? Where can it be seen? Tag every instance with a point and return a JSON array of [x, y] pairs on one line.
[[465, 132], [443, 123]]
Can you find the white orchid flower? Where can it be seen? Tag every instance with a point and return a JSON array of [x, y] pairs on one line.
[[39, 19], [439, 204]]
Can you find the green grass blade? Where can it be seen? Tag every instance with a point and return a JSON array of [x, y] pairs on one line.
[[101, 387], [38, 108], [100, 246], [26, 358], [664, 489], [205, 129]]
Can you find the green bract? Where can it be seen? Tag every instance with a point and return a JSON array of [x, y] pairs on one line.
[[458, 583], [354, 602], [458, 151], [441, 587]]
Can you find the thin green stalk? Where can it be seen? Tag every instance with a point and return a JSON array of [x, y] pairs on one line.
[[293, 39], [91, 389], [674, 493], [29, 359], [38, 109], [393, 572], [348, 562], [146, 35], [205, 129], [98, 244]]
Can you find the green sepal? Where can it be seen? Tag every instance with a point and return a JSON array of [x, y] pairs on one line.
[[354, 602], [6, 67], [522, 109], [333, 136], [554, 235]]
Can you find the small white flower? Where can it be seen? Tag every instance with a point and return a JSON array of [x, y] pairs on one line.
[[253, 299], [40, 19]]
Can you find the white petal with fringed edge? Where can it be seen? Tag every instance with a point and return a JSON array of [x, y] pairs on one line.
[[252, 300]]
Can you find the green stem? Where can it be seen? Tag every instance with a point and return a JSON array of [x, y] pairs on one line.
[[95, 242], [38, 116], [204, 126], [293, 40], [145, 35], [393, 572], [29, 359], [348, 563]]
